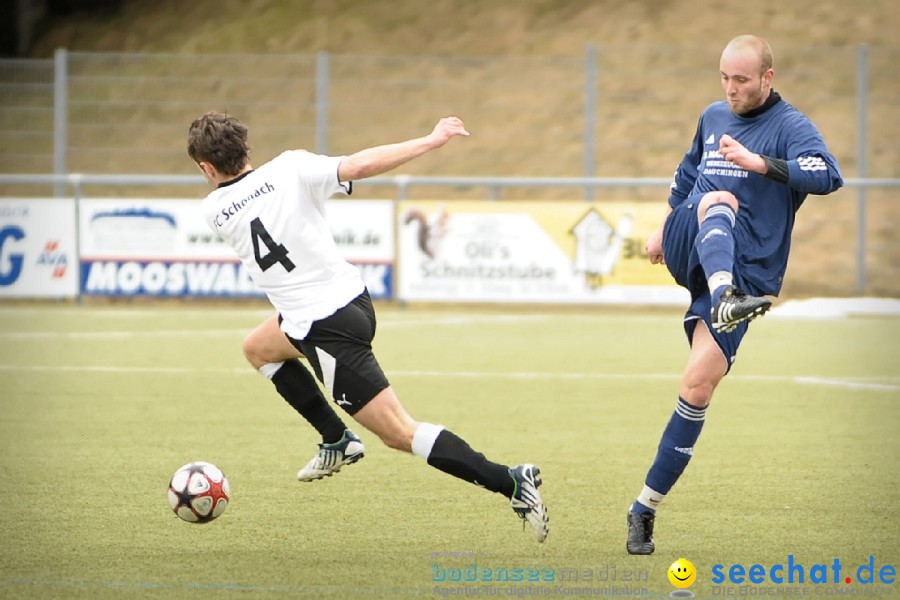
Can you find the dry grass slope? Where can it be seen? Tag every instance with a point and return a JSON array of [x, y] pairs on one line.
[[465, 27]]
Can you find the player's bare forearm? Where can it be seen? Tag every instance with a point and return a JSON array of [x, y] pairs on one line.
[[381, 159]]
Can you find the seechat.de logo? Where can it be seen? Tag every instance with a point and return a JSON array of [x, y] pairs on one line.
[[794, 572]]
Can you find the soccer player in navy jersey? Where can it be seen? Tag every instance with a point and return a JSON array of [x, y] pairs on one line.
[[274, 218], [726, 238]]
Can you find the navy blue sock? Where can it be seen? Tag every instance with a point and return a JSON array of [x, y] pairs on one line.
[[674, 453], [715, 243]]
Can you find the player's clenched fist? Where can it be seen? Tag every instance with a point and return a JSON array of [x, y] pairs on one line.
[[735, 152], [654, 248]]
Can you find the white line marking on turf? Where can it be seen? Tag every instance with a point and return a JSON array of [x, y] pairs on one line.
[[130, 313], [24, 335], [314, 590], [865, 383], [850, 382], [847, 383], [390, 321], [199, 333], [39, 335], [450, 321], [99, 335], [110, 369]]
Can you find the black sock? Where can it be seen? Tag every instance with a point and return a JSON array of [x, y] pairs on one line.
[[453, 455], [296, 385]]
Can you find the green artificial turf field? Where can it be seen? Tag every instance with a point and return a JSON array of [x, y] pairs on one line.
[[101, 403]]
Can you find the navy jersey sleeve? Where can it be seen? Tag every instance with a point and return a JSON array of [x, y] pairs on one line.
[[811, 167], [686, 173]]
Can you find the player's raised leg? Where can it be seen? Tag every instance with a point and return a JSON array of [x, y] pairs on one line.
[[272, 354], [717, 213], [447, 452], [706, 367]]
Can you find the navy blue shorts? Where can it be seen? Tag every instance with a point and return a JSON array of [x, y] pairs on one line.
[[683, 262]]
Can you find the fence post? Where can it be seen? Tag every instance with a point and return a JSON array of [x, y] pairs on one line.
[[862, 101], [77, 192], [590, 108], [60, 117], [322, 78]]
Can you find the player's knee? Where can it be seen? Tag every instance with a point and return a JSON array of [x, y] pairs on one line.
[[717, 197], [698, 393], [252, 349]]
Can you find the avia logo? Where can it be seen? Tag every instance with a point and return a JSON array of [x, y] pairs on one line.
[[53, 257], [797, 573]]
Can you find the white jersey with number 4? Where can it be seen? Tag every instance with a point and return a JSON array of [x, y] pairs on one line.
[[274, 218]]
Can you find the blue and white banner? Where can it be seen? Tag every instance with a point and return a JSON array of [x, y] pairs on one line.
[[37, 248], [164, 248], [166, 278]]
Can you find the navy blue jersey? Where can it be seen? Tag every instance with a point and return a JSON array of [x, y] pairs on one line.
[[767, 207]]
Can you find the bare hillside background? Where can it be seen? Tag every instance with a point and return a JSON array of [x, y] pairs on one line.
[[464, 27], [657, 69]]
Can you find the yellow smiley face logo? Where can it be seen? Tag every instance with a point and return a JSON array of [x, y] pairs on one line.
[[682, 573]]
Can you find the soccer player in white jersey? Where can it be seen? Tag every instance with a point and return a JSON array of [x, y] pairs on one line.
[[274, 219]]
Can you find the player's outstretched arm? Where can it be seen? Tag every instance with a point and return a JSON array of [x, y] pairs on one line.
[[381, 159]]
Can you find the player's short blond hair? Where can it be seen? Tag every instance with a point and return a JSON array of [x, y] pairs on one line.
[[759, 45]]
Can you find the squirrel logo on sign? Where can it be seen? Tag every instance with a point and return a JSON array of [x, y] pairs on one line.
[[432, 230]]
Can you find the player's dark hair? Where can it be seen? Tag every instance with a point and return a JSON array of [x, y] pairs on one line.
[[220, 140]]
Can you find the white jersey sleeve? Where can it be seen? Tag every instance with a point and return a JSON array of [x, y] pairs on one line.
[[274, 218]]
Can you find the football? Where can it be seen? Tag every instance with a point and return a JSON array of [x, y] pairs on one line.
[[199, 492]]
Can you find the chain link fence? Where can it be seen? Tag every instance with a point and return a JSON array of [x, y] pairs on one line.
[[614, 111]]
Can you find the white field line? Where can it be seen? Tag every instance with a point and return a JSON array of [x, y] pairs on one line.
[[890, 384], [421, 320], [114, 335], [130, 313], [200, 333], [847, 383]]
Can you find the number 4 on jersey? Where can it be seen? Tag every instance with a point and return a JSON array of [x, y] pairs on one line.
[[277, 252]]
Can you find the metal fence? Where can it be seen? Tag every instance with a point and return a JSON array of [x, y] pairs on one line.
[[623, 112], [615, 111]]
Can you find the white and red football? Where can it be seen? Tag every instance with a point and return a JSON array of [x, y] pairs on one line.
[[199, 492]]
